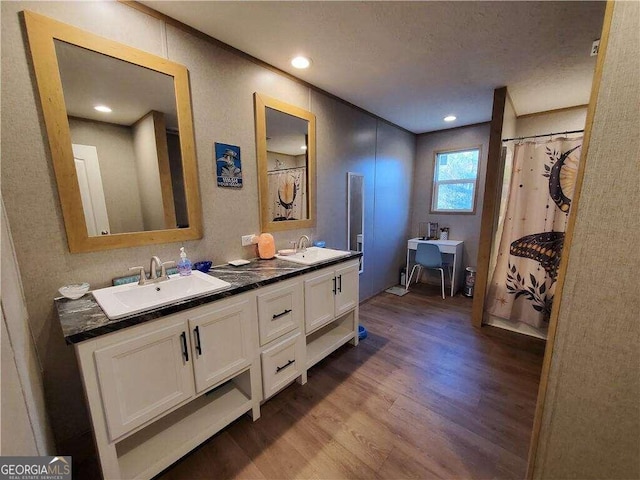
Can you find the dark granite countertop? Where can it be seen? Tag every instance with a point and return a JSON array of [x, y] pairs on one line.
[[83, 319]]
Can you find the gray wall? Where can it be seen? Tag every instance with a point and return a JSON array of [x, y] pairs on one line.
[[393, 184], [463, 227], [591, 421], [222, 87]]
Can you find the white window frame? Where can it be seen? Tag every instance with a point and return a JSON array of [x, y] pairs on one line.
[[436, 183]]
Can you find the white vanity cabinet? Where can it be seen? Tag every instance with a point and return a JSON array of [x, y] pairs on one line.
[[331, 310], [221, 341], [281, 323], [347, 291], [157, 390], [328, 294], [144, 376]]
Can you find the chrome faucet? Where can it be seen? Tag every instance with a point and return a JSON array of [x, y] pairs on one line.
[[153, 268], [153, 271], [303, 243]]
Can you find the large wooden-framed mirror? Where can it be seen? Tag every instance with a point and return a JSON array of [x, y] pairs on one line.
[[286, 151], [126, 177]]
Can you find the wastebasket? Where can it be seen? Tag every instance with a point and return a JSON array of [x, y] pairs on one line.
[[469, 281], [403, 276]]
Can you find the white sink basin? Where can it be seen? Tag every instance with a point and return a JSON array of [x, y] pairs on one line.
[[313, 255], [123, 300]]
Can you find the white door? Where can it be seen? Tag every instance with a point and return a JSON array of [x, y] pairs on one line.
[[346, 289], [91, 190], [144, 377], [221, 341]]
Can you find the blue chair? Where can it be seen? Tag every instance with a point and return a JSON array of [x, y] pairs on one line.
[[428, 256]]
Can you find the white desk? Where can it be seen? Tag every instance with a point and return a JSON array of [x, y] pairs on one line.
[[450, 247]]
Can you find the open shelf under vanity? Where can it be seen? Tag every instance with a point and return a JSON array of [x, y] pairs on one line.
[[147, 452], [329, 338]]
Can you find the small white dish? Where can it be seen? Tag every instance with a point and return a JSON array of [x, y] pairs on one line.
[[287, 251], [74, 291], [237, 263]]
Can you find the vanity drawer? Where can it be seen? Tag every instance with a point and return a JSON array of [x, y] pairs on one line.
[[282, 364], [279, 311]]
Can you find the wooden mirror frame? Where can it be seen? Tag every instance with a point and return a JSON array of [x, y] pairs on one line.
[[262, 102], [41, 32]]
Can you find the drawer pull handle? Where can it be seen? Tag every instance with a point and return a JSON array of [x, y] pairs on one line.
[[334, 285], [185, 352], [278, 315], [196, 331], [279, 369], [340, 284]]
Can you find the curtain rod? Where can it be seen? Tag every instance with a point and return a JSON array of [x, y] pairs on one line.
[[277, 170], [544, 135]]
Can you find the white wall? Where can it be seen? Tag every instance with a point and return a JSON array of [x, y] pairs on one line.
[[551, 122], [286, 161], [509, 119]]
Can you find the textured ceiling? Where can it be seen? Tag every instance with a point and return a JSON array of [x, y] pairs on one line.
[[413, 63]]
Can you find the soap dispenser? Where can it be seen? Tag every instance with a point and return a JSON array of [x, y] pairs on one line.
[[184, 265]]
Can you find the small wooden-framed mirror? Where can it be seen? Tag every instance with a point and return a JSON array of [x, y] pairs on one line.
[[286, 151], [120, 131], [355, 214]]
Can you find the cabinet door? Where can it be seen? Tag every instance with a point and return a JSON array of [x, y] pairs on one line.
[[347, 289], [279, 311], [319, 300], [143, 377], [221, 341]]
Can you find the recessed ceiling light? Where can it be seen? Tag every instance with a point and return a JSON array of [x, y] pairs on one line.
[[301, 62], [449, 118], [102, 108]]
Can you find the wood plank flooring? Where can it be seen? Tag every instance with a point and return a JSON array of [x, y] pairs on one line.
[[424, 396]]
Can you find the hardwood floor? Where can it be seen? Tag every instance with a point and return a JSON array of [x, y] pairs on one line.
[[424, 396]]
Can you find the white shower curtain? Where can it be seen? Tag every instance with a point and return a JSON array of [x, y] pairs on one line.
[[288, 194], [542, 185]]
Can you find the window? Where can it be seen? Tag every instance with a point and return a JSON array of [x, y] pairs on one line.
[[455, 177]]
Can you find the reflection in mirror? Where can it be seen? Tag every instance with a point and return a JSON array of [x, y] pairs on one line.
[[121, 138], [129, 178], [355, 214], [285, 140], [287, 166]]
